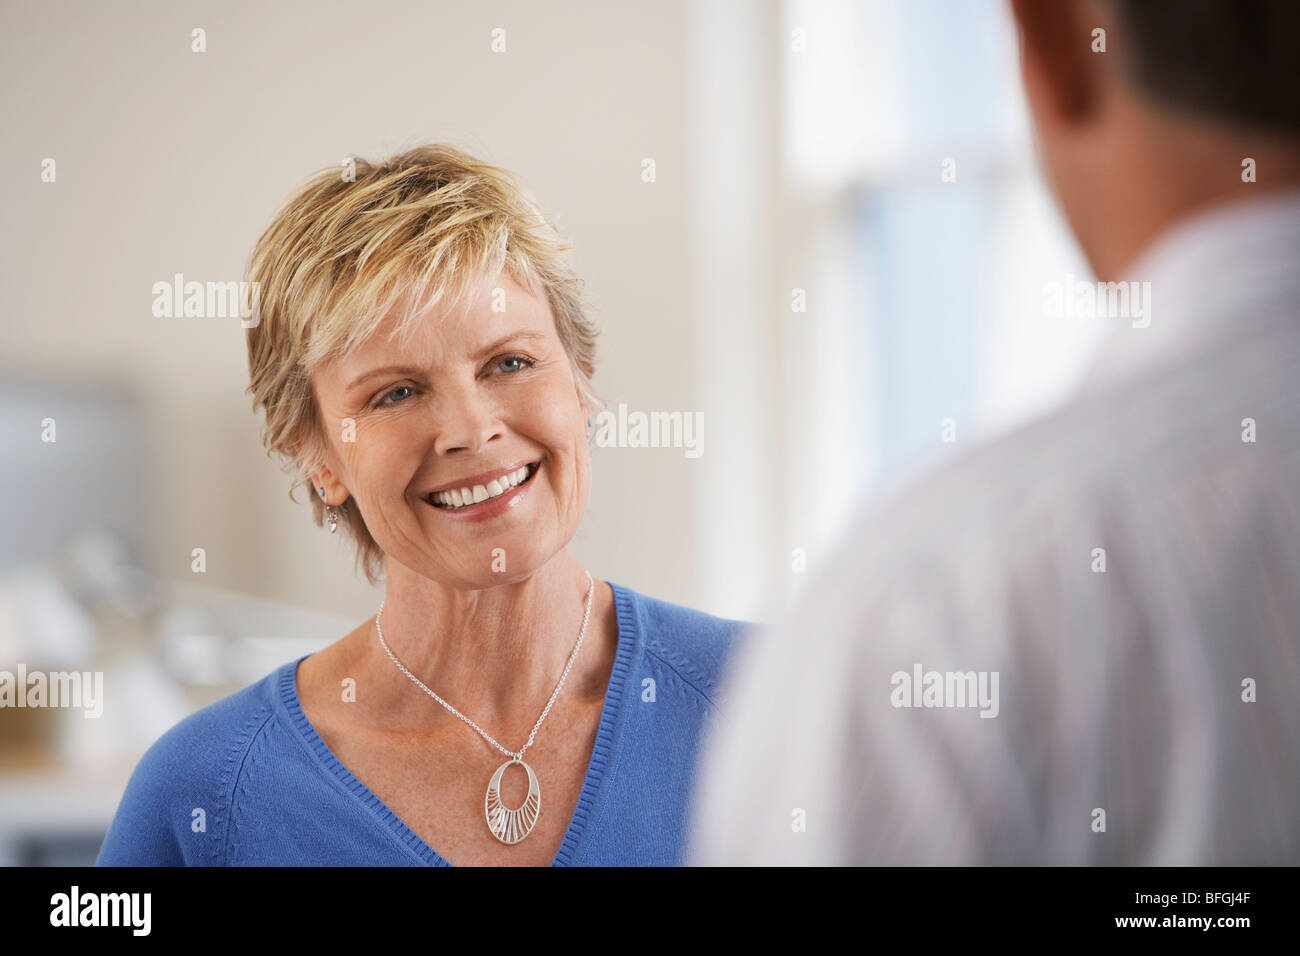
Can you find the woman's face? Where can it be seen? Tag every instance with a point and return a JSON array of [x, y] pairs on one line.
[[482, 405]]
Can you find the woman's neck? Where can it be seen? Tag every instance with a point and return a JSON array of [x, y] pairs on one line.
[[495, 654]]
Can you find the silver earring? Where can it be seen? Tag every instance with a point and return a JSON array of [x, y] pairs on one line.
[[331, 513]]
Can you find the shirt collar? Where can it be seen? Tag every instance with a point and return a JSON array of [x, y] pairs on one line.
[[1224, 266]]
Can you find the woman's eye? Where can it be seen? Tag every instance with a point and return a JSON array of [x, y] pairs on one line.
[[386, 400], [518, 363]]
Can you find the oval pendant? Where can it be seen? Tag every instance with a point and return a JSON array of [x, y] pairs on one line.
[[511, 826]]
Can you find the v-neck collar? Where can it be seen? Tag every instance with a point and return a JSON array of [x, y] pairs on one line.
[[601, 754]]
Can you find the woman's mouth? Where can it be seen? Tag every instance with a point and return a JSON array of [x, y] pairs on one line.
[[474, 496]]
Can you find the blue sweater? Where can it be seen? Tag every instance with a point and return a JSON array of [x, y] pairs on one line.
[[247, 781]]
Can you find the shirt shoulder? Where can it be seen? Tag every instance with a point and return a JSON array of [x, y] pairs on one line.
[[176, 806], [1112, 544], [1084, 471], [695, 645]]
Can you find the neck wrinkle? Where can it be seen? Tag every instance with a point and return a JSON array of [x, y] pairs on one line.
[[495, 654]]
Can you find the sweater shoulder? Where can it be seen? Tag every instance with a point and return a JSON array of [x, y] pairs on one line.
[[698, 646], [177, 802]]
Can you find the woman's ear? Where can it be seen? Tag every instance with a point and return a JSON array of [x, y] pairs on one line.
[[323, 479], [323, 487]]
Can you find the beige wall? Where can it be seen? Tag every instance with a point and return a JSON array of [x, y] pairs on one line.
[[171, 161]]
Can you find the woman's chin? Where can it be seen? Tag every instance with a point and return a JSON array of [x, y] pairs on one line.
[[486, 561]]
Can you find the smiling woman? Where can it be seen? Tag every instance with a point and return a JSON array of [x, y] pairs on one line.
[[352, 269], [424, 359], [458, 399]]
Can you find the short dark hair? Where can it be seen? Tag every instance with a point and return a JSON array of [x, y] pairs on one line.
[[1230, 59]]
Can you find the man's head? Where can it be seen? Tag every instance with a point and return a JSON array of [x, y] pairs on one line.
[[1148, 110]]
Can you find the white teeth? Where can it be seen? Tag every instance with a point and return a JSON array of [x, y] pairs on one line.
[[460, 497]]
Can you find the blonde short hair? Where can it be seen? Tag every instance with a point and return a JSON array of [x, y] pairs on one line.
[[424, 227]]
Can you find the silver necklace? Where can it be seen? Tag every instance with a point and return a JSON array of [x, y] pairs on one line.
[[507, 825]]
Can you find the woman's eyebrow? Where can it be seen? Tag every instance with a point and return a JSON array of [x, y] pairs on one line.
[[527, 335]]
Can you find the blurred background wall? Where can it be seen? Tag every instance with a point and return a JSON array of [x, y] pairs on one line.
[[839, 263]]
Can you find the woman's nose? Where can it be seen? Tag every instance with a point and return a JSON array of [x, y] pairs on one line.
[[465, 423]]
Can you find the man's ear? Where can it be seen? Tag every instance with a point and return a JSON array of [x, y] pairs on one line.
[[1063, 76]]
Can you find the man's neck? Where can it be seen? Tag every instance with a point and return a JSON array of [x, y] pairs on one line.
[[1176, 171]]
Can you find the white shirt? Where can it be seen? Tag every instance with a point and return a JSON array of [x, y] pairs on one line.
[[1123, 731]]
